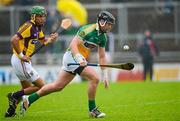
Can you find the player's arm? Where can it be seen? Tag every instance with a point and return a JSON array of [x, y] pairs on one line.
[[74, 45], [15, 44], [102, 60], [102, 57], [52, 38], [74, 49]]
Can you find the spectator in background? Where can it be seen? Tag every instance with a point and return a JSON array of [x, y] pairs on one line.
[[148, 50]]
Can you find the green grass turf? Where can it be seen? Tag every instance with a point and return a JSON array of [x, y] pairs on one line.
[[144, 101]]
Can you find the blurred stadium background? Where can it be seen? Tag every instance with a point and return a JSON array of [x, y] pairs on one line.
[[162, 17]]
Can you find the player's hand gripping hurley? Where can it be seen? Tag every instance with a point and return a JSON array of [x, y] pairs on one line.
[[65, 24], [125, 66]]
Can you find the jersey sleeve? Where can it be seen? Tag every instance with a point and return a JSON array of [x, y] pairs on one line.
[[81, 33], [103, 41], [24, 31]]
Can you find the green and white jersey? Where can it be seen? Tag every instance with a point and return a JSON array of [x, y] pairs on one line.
[[91, 37]]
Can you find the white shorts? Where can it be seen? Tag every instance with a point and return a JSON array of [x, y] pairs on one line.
[[24, 70], [68, 58]]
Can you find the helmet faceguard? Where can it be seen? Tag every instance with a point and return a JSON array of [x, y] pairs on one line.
[[106, 16]]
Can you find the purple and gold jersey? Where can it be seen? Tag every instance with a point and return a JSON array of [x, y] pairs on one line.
[[29, 34]]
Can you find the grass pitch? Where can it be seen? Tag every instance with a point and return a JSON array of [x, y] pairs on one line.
[[121, 102]]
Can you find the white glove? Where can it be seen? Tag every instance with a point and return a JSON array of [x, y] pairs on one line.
[[80, 59]]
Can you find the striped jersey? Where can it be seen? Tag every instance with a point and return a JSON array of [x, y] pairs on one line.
[[29, 35], [91, 37]]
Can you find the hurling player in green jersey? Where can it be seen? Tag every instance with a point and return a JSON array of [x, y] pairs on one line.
[[87, 38]]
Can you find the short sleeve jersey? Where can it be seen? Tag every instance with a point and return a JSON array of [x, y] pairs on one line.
[[91, 37], [29, 34]]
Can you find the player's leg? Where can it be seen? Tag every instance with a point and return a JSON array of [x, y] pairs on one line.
[[28, 88], [90, 74], [16, 64], [39, 83], [63, 79], [14, 98], [27, 74]]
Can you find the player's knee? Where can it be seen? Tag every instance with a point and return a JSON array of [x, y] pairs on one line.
[[39, 83], [95, 80], [94, 83]]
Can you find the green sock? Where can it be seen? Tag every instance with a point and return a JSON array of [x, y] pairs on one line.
[[32, 98], [92, 105]]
